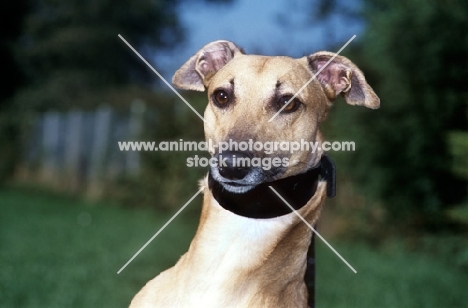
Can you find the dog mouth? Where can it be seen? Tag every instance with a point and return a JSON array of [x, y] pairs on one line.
[[235, 172], [238, 186], [254, 177]]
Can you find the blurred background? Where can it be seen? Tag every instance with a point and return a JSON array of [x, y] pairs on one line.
[[74, 208]]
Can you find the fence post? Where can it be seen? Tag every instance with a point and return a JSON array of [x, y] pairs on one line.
[[50, 144], [137, 110], [73, 133], [99, 148]]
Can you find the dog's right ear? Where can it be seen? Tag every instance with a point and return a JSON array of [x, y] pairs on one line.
[[198, 70]]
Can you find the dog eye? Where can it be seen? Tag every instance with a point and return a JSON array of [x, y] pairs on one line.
[[221, 98], [291, 107]]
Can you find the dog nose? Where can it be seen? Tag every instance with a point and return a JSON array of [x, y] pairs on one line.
[[233, 165]]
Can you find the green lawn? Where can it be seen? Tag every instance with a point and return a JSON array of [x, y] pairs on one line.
[[62, 252], [388, 279]]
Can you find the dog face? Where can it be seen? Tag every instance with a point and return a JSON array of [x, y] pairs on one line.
[[246, 91]]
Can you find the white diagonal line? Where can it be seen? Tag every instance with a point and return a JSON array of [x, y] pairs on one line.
[[160, 230], [313, 230], [162, 78], [313, 77]]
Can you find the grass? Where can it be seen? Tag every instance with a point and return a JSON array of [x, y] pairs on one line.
[[51, 255], [62, 252], [388, 278]]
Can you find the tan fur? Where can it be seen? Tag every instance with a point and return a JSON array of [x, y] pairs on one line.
[[234, 261]]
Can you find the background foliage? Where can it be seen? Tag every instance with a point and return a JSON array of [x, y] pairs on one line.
[[70, 54], [406, 158], [11, 17]]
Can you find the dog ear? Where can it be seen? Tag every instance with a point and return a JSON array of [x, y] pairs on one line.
[[197, 71], [341, 76]]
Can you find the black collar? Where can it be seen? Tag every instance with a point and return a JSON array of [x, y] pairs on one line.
[[261, 202]]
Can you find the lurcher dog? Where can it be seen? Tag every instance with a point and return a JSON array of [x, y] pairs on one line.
[[250, 249]]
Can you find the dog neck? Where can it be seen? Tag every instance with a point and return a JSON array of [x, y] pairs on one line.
[[261, 202], [237, 256]]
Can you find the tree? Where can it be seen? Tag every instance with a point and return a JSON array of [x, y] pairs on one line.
[[11, 17], [72, 56]]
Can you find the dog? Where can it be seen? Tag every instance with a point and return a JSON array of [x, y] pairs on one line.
[[250, 248]]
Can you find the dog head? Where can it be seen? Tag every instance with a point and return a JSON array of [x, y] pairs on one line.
[[246, 96]]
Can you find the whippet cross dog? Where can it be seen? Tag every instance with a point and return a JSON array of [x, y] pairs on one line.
[[250, 248]]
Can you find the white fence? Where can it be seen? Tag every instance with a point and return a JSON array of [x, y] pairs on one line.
[[78, 150]]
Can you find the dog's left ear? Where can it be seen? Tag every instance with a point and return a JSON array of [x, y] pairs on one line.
[[341, 76]]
